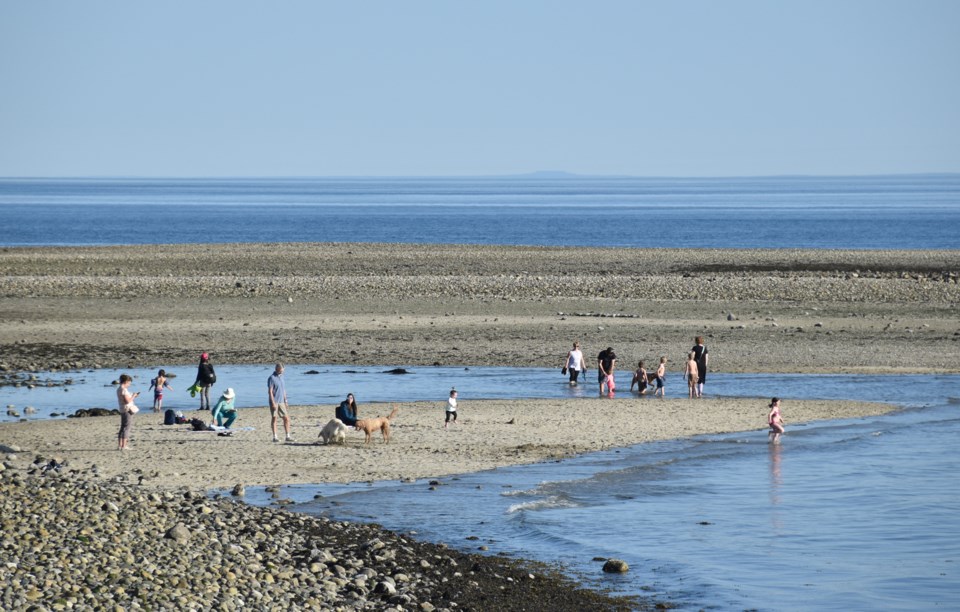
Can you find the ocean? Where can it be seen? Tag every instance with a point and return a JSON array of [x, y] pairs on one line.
[[873, 212]]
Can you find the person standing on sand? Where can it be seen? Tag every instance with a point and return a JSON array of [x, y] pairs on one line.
[[574, 363], [127, 410], [157, 384], [690, 373], [606, 363], [775, 420], [205, 379], [702, 357], [661, 378], [451, 409], [277, 392]]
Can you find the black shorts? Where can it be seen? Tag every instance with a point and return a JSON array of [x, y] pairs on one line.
[[451, 416]]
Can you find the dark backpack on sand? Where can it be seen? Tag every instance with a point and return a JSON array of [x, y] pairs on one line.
[[169, 417]]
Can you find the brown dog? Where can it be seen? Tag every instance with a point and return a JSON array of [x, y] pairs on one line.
[[368, 426]]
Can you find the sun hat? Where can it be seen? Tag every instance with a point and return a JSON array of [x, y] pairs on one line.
[[229, 394]]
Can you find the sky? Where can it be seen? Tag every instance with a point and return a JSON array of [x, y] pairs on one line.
[[386, 88]]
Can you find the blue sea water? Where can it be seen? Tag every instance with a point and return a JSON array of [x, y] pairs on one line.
[[874, 212]]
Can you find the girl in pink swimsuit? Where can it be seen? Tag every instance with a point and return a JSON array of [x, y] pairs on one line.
[[775, 421]]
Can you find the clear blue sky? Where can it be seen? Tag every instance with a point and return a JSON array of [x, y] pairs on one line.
[[388, 88]]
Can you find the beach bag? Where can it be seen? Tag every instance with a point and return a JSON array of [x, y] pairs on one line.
[[169, 417], [198, 425], [131, 408]]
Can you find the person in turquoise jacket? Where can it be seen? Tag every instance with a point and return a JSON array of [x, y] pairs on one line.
[[223, 412]]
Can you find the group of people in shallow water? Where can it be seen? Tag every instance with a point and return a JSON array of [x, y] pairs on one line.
[[695, 371]]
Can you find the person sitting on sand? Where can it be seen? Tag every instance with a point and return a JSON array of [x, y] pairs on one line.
[[347, 411], [225, 410], [775, 420], [640, 379]]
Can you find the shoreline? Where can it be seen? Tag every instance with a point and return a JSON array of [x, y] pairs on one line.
[[489, 434]]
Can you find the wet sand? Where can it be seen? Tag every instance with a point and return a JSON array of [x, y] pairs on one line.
[[390, 304]]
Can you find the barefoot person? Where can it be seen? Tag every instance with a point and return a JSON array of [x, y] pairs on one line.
[[451, 409], [127, 410], [661, 378], [574, 364], [702, 356], [775, 420], [206, 378], [158, 384], [690, 372], [277, 392], [640, 379], [606, 363]]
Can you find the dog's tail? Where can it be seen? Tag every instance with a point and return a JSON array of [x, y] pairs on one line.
[[394, 412]]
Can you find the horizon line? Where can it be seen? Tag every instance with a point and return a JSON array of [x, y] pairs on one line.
[[541, 174]]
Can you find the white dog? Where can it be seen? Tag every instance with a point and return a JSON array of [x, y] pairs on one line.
[[334, 431]]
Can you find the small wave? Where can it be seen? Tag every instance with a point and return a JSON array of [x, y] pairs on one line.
[[953, 400], [547, 503]]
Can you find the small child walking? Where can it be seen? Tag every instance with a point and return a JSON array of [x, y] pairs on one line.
[[775, 420], [451, 409], [692, 375], [661, 378], [158, 384]]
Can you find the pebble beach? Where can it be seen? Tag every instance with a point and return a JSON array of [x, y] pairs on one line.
[[102, 528]]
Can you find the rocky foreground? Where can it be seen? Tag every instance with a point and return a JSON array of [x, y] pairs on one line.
[[74, 541]]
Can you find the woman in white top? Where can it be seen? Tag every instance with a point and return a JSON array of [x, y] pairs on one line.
[[573, 363]]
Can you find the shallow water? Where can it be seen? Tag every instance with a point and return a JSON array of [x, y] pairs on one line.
[[329, 385], [852, 514]]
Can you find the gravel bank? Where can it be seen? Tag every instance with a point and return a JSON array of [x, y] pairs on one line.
[[73, 541]]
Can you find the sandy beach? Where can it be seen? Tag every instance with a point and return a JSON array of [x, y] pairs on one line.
[[488, 434]]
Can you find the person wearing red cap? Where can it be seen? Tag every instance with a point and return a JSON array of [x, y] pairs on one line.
[[205, 379]]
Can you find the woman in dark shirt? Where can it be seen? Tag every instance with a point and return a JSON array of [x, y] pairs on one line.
[[205, 379], [347, 411]]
